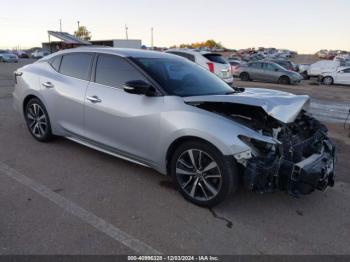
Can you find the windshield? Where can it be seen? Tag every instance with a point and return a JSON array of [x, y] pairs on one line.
[[183, 78]]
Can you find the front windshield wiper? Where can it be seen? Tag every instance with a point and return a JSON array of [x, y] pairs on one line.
[[235, 90]]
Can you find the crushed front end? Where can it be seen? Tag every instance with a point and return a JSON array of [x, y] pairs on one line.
[[302, 161]]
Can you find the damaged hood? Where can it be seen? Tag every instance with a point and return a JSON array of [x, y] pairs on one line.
[[282, 106]]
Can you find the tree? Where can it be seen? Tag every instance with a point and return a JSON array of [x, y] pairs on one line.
[[209, 44], [83, 33]]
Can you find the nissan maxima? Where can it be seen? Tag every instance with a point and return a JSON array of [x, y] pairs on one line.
[[164, 112]]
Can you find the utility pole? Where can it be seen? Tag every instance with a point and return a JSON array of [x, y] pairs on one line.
[[152, 37], [78, 25], [126, 32], [60, 25]]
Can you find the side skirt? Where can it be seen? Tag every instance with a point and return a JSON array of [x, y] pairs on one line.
[[85, 143]]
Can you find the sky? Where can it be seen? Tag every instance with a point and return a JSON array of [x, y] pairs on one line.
[[305, 26]]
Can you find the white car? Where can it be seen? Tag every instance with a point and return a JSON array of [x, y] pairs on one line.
[[213, 62], [322, 66], [340, 76], [38, 54]]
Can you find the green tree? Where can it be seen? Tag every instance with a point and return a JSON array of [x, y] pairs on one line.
[[209, 43], [83, 33]]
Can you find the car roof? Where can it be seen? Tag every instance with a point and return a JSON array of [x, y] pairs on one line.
[[124, 52], [189, 51]]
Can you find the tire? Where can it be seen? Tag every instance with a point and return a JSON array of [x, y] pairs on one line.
[[38, 121], [210, 180], [284, 80], [328, 80], [244, 76]]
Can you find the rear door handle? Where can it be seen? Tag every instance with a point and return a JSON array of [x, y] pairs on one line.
[[48, 85], [94, 99]]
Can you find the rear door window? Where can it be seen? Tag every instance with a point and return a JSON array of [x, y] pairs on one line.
[[255, 65], [216, 58], [76, 65]]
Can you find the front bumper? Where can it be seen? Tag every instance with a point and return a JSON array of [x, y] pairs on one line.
[[296, 81], [317, 172]]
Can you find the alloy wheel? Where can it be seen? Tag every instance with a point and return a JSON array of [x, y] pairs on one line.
[[37, 120], [198, 174], [328, 80]]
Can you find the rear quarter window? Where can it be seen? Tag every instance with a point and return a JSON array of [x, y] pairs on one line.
[[56, 62]]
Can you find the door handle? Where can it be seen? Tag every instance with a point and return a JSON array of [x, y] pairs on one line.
[[48, 85], [94, 99]]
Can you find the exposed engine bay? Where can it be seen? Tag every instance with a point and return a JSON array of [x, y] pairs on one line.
[[302, 159]]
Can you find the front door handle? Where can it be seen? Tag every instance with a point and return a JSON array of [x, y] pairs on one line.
[[94, 99], [48, 85]]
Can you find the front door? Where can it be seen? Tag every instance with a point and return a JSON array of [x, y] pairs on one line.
[[128, 124]]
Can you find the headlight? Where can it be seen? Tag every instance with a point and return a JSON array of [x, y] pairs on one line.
[[258, 147]]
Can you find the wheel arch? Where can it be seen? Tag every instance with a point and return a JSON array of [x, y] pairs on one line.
[[26, 101], [179, 141]]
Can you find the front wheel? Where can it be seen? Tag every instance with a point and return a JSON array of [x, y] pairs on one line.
[[38, 121], [202, 174], [328, 80], [284, 80], [244, 76]]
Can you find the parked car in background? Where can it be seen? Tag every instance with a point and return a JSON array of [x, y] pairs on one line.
[[340, 76], [8, 58], [213, 62], [22, 54], [235, 64], [39, 54], [322, 66], [268, 72], [164, 112], [285, 64], [302, 69]]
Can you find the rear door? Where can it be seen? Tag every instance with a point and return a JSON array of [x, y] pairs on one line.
[[64, 86], [256, 71], [271, 72], [127, 124]]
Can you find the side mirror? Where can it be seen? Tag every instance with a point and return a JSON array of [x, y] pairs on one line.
[[341, 72], [139, 87], [277, 70]]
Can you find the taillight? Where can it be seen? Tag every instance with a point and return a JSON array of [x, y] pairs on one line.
[[211, 67]]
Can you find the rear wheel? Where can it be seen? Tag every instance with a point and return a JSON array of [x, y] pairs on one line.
[[328, 80], [284, 80], [202, 174], [37, 120], [244, 76]]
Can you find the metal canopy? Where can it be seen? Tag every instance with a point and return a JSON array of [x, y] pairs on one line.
[[68, 38]]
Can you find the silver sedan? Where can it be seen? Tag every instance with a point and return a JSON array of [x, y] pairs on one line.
[[268, 72], [164, 112]]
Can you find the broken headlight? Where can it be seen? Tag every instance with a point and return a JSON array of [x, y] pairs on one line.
[[258, 147]]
